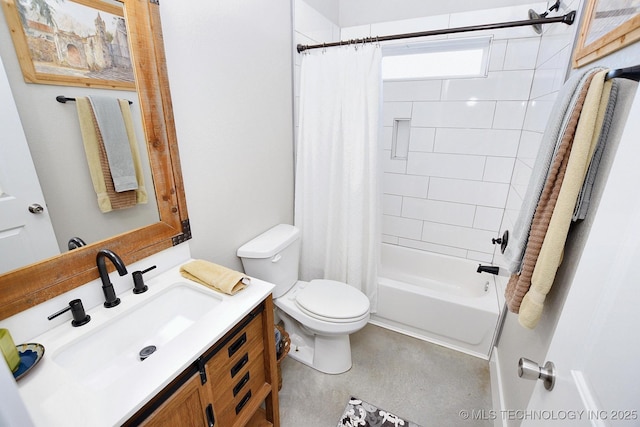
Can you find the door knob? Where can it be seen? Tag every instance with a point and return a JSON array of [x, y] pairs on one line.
[[530, 370], [36, 208]]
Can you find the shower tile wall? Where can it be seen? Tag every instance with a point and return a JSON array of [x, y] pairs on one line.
[[551, 69], [450, 194], [449, 211]]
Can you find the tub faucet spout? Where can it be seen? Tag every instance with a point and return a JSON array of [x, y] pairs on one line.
[[110, 299], [488, 269]]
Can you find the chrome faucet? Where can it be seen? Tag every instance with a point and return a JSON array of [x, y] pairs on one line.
[[110, 299]]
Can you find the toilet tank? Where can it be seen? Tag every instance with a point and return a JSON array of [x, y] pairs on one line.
[[273, 256]]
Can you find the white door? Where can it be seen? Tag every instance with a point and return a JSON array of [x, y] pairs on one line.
[[596, 345], [25, 237]]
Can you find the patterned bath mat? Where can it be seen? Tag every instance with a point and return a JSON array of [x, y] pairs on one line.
[[359, 413]]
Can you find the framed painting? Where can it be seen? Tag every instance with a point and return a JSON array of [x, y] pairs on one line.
[[71, 42], [607, 25]]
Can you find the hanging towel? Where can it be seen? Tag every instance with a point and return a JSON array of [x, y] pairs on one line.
[[116, 142], [108, 198], [519, 283], [584, 198], [214, 276], [141, 192], [552, 137], [584, 145]]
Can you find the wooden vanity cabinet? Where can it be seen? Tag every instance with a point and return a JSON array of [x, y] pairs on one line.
[[232, 384]]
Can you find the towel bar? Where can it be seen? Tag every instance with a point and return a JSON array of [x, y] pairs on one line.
[[63, 99]]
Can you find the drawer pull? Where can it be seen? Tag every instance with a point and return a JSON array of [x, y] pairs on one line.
[[236, 368], [240, 384], [233, 348], [243, 402], [211, 421]]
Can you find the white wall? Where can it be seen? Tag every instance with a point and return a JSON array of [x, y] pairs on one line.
[[230, 72]]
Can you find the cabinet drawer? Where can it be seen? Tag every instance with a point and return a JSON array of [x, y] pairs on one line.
[[226, 390], [231, 358], [247, 388]]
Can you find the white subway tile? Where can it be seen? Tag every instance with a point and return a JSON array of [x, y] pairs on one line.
[[498, 53], [413, 25], [392, 165], [542, 82], [446, 165], [521, 176], [514, 203], [412, 90], [490, 142], [480, 256], [488, 218], [391, 205], [390, 239], [529, 147], [498, 85], [422, 139], [522, 54], [458, 237], [502, 14], [509, 114], [471, 114], [395, 110], [538, 111], [401, 227], [436, 211], [498, 169], [472, 192], [426, 246], [405, 185]]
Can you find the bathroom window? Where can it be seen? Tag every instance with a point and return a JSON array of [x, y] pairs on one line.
[[456, 58]]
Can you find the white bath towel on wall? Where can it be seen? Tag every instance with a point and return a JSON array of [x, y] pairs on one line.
[[553, 133], [337, 193]]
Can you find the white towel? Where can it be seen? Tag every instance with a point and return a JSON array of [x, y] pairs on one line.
[[554, 131], [116, 142]]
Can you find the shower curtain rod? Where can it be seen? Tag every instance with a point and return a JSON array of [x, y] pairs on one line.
[[565, 19]]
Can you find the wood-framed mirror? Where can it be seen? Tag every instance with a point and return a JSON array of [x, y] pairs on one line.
[[29, 286]]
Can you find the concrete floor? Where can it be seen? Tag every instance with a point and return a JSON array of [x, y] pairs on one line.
[[422, 382]]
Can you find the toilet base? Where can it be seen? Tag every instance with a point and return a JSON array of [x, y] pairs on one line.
[[327, 354]]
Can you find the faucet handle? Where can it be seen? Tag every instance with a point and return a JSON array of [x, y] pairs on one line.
[[138, 282], [77, 310]]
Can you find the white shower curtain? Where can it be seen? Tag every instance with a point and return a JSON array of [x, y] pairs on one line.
[[337, 195]]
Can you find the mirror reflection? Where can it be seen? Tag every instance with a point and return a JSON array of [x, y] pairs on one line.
[[55, 143]]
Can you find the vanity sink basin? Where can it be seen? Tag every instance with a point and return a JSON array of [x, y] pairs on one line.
[[108, 352]]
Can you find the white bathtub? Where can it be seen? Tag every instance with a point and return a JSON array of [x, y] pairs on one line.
[[437, 298]]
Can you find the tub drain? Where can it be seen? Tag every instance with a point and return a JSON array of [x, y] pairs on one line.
[[147, 351]]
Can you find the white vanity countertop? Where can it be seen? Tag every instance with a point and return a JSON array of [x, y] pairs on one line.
[[54, 398]]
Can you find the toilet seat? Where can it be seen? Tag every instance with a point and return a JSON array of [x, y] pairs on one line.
[[332, 301]]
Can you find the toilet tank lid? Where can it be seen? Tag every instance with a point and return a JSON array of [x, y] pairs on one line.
[[270, 242]]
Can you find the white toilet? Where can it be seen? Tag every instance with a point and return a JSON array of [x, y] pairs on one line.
[[318, 315]]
